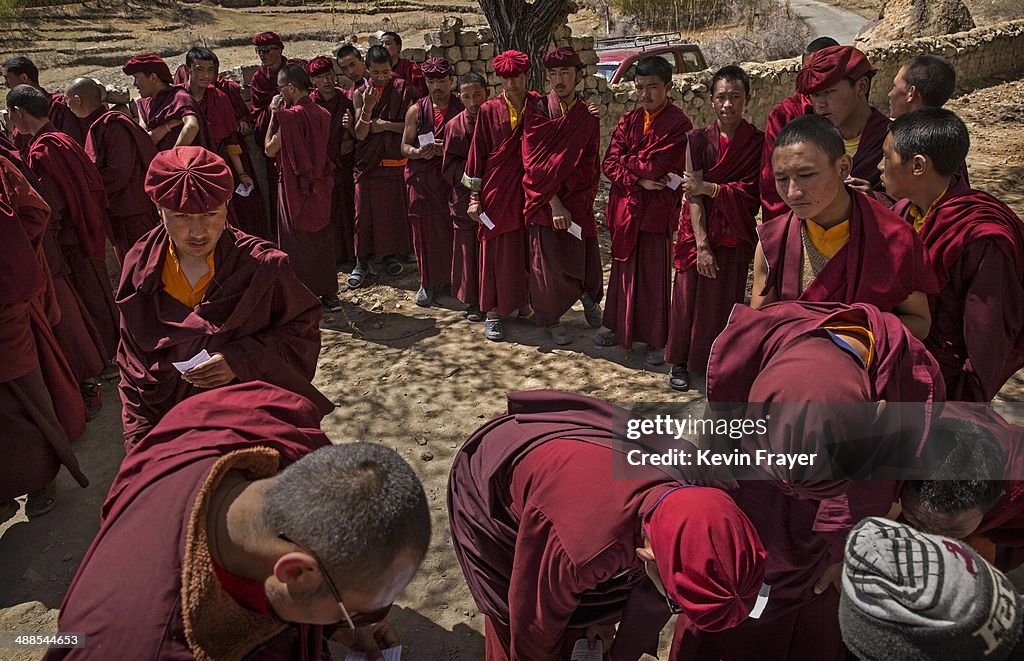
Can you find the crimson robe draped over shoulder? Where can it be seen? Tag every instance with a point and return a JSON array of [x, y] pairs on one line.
[[342, 200], [172, 103], [976, 246], [412, 74], [391, 106], [882, 264], [869, 152], [63, 120], [262, 90], [465, 275], [782, 114], [143, 590], [234, 93], [255, 312], [307, 175], [632, 155]]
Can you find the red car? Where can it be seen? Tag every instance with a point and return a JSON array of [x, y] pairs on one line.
[[617, 56]]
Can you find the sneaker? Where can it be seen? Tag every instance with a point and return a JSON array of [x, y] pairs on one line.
[[424, 297], [331, 303], [606, 339], [494, 330], [679, 378], [654, 356], [559, 334]]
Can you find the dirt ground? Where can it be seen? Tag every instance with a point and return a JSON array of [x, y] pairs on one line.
[[985, 12]]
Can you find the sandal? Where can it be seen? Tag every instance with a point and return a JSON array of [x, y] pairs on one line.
[[355, 278], [393, 266], [42, 501], [474, 313], [591, 311], [679, 378], [559, 334], [654, 356], [606, 339]]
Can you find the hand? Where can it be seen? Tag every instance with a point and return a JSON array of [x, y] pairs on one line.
[[561, 218], [473, 210], [370, 96], [693, 184], [427, 152], [276, 103], [833, 576], [213, 373], [606, 632], [707, 266], [369, 640], [862, 185], [245, 127], [346, 120], [378, 125], [594, 110], [245, 180], [650, 184]]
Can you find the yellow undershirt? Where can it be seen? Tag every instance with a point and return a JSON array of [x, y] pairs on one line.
[[828, 241], [865, 336], [649, 117], [566, 108], [920, 218], [852, 145], [178, 286], [513, 113]]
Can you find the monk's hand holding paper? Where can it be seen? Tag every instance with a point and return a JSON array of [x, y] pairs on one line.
[[693, 184], [833, 576], [474, 209], [369, 640], [561, 218], [860, 185], [213, 373], [707, 265]]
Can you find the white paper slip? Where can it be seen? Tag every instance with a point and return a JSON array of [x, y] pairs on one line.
[[674, 180], [197, 359], [576, 230], [390, 654], [488, 223], [762, 601], [427, 139], [581, 650], [244, 190]]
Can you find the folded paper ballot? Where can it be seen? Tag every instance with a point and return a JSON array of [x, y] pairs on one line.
[[390, 654], [488, 223], [427, 139], [244, 190], [581, 650], [197, 359], [674, 180], [576, 230]]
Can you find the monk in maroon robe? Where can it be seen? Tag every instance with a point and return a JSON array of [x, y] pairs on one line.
[[262, 90], [299, 135], [554, 548], [836, 244], [466, 245], [413, 75], [494, 176], [561, 163], [122, 151], [167, 111], [22, 71], [192, 285], [429, 192], [814, 372], [218, 538], [221, 126], [36, 441], [648, 145], [341, 151], [717, 234], [975, 244], [382, 217], [73, 188]]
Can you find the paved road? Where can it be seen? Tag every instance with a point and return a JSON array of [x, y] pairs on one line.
[[826, 20]]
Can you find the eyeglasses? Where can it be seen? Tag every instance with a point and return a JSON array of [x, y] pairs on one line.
[[281, 87], [262, 50], [360, 619]]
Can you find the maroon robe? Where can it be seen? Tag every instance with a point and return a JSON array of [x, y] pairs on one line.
[[465, 275], [122, 152], [883, 263], [412, 74], [343, 210], [382, 219], [701, 306], [61, 117], [545, 536], [262, 90], [975, 243], [304, 195], [429, 194], [73, 188], [169, 104], [255, 312], [146, 587], [561, 156], [641, 223], [234, 93], [869, 151], [787, 110]]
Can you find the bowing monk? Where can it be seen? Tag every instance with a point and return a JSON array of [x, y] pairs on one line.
[[838, 81], [341, 151], [555, 549], [429, 192], [717, 229], [404, 68], [300, 131], [36, 413], [975, 244], [73, 188], [494, 176], [21, 71], [166, 111], [194, 285], [648, 145], [787, 110], [352, 66], [466, 244], [816, 374], [221, 127], [382, 219], [236, 530], [836, 244], [562, 171], [122, 152]]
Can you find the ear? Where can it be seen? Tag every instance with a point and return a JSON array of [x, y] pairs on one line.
[[920, 164], [845, 165], [911, 94], [297, 569]]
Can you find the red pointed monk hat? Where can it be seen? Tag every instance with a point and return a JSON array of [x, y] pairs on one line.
[[710, 558], [189, 180], [319, 65], [267, 39], [511, 63], [148, 63], [830, 65], [437, 67], [563, 56]]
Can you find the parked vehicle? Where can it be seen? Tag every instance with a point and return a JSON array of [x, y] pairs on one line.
[[617, 56]]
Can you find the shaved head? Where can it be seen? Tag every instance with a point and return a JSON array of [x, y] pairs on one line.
[[88, 89]]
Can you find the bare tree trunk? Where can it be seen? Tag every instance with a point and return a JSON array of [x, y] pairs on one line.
[[526, 26]]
